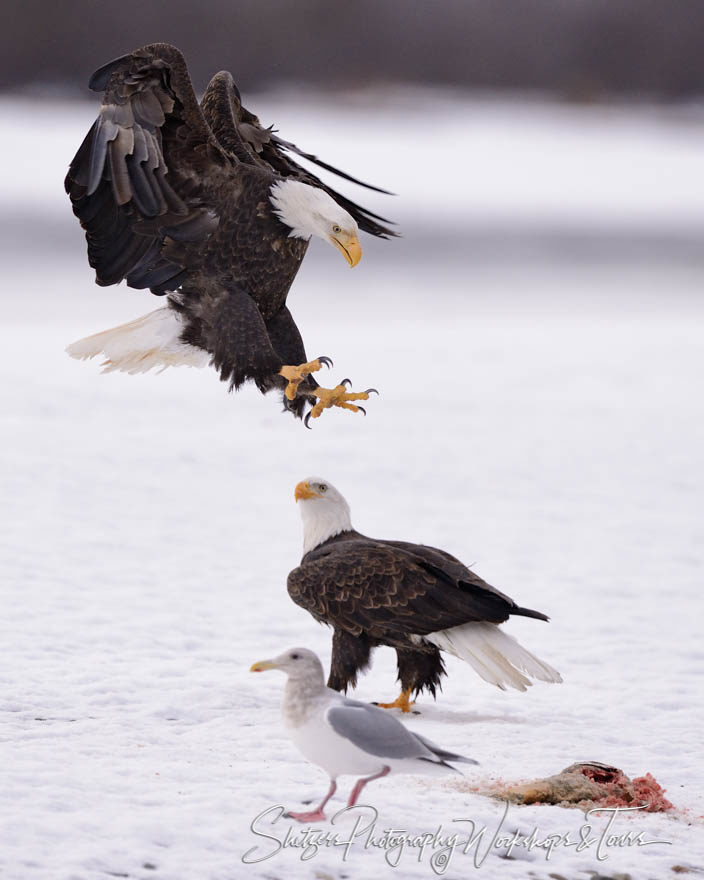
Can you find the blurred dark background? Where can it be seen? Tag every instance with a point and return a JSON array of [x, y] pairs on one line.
[[582, 50]]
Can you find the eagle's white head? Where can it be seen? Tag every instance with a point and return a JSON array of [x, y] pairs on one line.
[[308, 211], [324, 511]]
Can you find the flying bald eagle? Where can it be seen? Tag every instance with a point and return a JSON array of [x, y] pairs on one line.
[[203, 205], [416, 599]]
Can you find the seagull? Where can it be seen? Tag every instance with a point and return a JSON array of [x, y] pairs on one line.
[[348, 737]]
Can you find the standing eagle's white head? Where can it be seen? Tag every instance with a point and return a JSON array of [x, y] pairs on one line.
[[309, 211], [324, 511]]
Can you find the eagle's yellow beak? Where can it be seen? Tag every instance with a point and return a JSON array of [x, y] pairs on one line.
[[262, 666], [349, 247], [303, 490]]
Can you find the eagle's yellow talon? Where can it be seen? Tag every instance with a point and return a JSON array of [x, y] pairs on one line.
[[296, 375], [402, 702], [338, 396]]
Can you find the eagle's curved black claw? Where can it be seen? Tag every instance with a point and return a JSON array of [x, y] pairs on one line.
[[361, 409], [326, 361], [372, 391], [346, 382], [306, 420]]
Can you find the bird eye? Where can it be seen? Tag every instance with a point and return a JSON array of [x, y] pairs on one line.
[[323, 487], [295, 656], [336, 229]]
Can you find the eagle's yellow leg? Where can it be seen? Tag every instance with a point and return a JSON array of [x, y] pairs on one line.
[[296, 375], [402, 702], [338, 396]]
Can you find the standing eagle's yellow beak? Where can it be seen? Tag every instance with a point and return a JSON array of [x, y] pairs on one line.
[[303, 490], [262, 666], [349, 246]]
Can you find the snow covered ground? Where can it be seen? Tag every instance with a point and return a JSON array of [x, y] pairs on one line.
[[540, 417]]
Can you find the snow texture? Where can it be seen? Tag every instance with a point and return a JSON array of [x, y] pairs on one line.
[[540, 417]]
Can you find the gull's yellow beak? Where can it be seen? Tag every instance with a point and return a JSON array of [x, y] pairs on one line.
[[262, 666], [303, 490], [349, 247]]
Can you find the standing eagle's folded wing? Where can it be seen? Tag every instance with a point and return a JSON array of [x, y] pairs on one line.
[[136, 182], [495, 605], [369, 586]]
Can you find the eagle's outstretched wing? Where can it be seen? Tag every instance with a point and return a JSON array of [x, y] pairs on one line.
[[392, 592], [137, 179], [241, 133]]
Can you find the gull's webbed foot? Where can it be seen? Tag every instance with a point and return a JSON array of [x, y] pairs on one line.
[[295, 375], [402, 702], [338, 396], [312, 816]]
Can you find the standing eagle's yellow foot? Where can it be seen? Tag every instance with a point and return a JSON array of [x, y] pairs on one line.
[[296, 375], [338, 396], [402, 702]]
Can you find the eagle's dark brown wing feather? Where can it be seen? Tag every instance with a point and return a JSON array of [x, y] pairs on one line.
[[138, 177], [367, 220], [448, 568], [222, 109]]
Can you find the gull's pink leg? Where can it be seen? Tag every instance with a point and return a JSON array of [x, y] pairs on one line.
[[359, 785], [315, 815]]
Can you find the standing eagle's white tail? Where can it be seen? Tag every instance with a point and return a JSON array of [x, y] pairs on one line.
[[495, 655], [154, 340]]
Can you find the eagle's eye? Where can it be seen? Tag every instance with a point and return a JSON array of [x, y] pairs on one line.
[[295, 656], [323, 487], [336, 229]]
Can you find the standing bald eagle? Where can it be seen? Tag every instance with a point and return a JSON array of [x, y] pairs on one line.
[[416, 599], [205, 206]]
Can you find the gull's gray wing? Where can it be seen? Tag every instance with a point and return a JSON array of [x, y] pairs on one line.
[[443, 754], [376, 732]]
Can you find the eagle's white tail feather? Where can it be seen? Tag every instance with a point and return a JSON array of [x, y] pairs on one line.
[[141, 345], [495, 655]]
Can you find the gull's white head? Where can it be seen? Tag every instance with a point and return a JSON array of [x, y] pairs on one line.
[[324, 511], [309, 211], [297, 663]]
